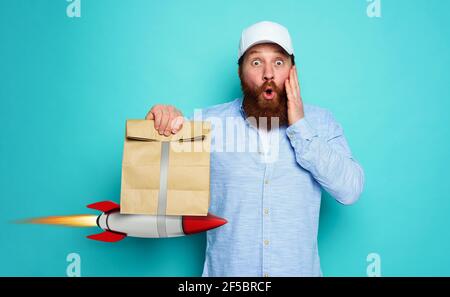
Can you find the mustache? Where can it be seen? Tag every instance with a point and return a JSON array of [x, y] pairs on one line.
[[272, 85]]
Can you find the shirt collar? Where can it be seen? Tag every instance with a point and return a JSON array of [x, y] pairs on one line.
[[241, 108]]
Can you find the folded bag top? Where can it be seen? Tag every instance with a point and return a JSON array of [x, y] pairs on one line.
[[144, 130]]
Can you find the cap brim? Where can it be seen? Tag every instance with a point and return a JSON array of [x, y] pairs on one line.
[[265, 41]]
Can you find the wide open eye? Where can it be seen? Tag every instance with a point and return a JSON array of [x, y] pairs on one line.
[[279, 62], [256, 62]]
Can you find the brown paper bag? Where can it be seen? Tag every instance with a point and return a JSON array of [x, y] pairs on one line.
[[166, 175]]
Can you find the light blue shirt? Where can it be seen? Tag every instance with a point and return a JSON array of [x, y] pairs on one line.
[[271, 195]]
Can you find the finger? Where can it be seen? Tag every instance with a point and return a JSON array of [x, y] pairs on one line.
[[158, 115], [150, 116], [287, 85], [168, 129], [177, 124], [164, 120], [292, 84], [297, 84]]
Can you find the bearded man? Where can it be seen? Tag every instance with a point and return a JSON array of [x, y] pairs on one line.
[[271, 195]]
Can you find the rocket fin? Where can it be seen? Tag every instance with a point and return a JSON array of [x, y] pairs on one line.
[[108, 236], [104, 206]]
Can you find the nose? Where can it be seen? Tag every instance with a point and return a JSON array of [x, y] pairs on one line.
[[268, 73]]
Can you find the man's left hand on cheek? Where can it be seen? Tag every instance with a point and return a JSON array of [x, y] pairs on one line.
[[294, 98]]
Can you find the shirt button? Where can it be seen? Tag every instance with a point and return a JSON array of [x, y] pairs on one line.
[[266, 242], [266, 181], [266, 275], [266, 211]]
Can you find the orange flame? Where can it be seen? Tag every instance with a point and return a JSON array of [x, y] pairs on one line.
[[71, 221]]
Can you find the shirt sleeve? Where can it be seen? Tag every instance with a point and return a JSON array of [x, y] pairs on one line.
[[328, 159]]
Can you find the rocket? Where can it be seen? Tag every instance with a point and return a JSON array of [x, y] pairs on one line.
[[117, 226]]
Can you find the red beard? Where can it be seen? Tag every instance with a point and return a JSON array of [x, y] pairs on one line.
[[262, 110]]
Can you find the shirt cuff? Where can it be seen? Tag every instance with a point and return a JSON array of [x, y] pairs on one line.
[[301, 130]]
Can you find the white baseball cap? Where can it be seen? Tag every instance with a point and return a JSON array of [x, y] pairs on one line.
[[265, 32]]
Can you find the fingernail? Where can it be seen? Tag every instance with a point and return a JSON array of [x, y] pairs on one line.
[[174, 124]]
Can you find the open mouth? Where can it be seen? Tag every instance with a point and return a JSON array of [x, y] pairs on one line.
[[269, 93]]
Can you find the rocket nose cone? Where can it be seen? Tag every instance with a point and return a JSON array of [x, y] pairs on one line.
[[197, 224]]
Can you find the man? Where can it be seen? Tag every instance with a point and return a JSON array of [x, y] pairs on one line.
[[270, 197]]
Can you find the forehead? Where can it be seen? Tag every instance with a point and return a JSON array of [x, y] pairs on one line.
[[266, 49]]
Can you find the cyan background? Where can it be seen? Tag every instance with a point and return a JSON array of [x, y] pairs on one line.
[[67, 85]]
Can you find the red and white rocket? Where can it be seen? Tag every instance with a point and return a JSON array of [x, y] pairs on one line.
[[117, 226]]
